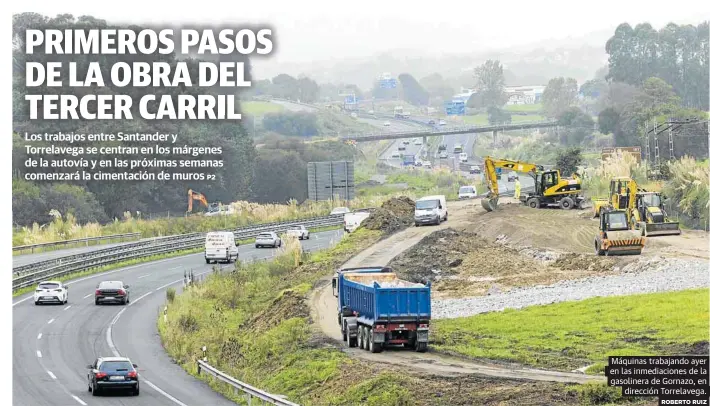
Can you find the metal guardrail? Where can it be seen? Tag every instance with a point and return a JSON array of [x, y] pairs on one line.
[[249, 390], [29, 274], [87, 240]]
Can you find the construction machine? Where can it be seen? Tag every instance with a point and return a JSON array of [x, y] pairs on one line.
[[192, 195], [550, 187], [649, 215], [616, 235], [644, 209]]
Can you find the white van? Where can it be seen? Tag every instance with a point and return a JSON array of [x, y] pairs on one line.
[[467, 192], [353, 220], [221, 247], [430, 210]]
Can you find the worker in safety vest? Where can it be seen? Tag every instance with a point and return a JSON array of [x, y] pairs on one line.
[[517, 188]]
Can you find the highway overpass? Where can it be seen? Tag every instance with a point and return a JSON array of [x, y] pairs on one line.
[[449, 131]]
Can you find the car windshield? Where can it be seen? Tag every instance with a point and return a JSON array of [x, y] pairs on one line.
[[48, 286], [110, 285], [617, 221], [295, 228], [264, 235], [115, 366], [652, 200], [466, 189], [427, 204]]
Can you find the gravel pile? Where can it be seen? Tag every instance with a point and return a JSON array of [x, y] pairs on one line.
[[648, 276]]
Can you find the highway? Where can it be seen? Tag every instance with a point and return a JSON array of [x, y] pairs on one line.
[[53, 344]]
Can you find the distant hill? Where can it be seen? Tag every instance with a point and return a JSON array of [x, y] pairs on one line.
[[578, 57]]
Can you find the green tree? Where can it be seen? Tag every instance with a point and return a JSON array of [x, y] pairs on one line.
[[559, 95], [568, 160], [490, 84], [497, 115], [437, 87], [578, 125], [412, 91]]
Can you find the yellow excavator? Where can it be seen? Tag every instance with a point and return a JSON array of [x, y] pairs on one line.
[[551, 189], [192, 195], [644, 209]]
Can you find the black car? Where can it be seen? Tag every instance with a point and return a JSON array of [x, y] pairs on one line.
[[113, 292], [108, 373], [432, 122]]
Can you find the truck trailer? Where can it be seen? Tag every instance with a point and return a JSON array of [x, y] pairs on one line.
[[376, 309]]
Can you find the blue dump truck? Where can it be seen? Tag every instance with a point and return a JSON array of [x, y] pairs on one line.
[[408, 160], [376, 309]]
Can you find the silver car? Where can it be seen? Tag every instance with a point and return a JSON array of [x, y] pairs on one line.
[[268, 239]]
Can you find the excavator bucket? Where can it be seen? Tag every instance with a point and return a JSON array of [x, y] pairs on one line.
[[489, 204], [629, 242], [667, 228]]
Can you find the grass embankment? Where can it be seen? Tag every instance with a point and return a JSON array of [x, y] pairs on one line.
[[571, 335], [245, 213], [107, 268], [259, 108], [482, 119], [523, 108], [431, 182]]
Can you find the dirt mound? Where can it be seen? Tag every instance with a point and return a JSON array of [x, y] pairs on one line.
[[395, 214], [288, 305], [585, 262]]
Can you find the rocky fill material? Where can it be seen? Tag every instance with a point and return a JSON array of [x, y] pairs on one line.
[[395, 214]]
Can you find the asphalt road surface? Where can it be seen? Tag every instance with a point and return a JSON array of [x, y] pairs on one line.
[[53, 344]]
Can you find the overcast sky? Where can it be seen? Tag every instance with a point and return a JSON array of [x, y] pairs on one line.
[[310, 30]]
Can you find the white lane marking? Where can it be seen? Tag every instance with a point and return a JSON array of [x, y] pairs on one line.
[[87, 295], [115, 352], [51, 375], [114, 271], [134, 302], [51, 321], [39, 336], [22, 300], [143, 276], [109, 340], [168, 284], [81, 402], [162, 392], [174, 268], [67, 308], [39, 354]]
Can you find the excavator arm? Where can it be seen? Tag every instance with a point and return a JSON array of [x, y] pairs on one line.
[[489, 167], [195, 196]]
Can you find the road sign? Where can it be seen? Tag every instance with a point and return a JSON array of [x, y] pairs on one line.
[[455, 108], [388, 83], [331, 180]]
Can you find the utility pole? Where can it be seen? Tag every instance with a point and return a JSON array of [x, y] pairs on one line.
[[670, 139]]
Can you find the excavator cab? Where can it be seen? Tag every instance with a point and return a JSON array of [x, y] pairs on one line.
[[650, 215]]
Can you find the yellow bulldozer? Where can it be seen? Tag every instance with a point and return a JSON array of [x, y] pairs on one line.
[[551, 189], [644, 209], [616, 235]]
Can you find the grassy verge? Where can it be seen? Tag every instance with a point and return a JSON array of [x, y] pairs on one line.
[[259, 108], [523, 108], [74, 245], [571, 335], [112, 267]]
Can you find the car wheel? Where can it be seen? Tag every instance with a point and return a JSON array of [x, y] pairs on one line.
[[96, 302], [207, 261], [36, 303], [136, 391], [95, 390], [66, 299]]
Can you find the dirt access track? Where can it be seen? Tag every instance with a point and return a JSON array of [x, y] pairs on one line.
[[324, 310]]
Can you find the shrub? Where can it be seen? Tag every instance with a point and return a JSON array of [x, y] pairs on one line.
[[170, 294]]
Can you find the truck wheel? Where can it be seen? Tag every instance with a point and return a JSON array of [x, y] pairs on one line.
[[374, 347], [566, 203], [534, 203], [352, 342], [367, 338], [421, 347], [360, 344]]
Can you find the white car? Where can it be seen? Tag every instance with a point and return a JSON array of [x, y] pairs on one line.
[[467, 192], [395, 154], [268, 239], [426, 164], [386, 124], [442, 122], [51, 292], [463, 157], [299, 231], [418, 141], [339, 210], [371, 112], [353, 220]]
